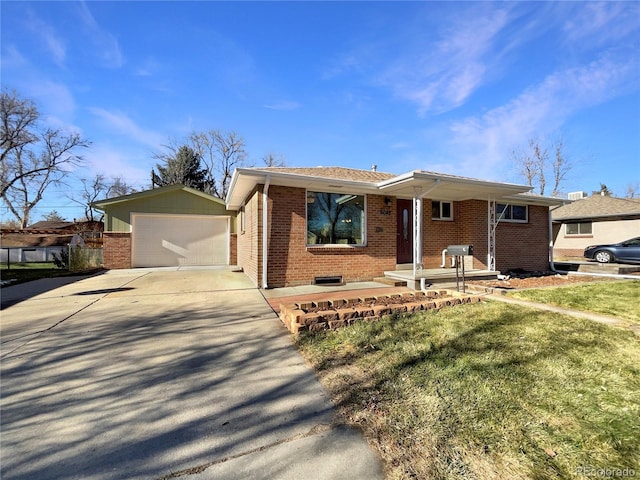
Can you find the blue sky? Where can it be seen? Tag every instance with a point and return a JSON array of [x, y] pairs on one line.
[[440, 86]]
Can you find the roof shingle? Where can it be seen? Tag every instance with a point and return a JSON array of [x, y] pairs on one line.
[[597, 206], [341, 173]]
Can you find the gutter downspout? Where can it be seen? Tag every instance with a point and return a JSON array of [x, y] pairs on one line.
[[265, 236], [552, 265]]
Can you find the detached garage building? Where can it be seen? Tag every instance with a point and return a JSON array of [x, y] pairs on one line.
[[167, 226]]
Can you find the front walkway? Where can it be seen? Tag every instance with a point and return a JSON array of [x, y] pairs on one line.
[[607, 320]]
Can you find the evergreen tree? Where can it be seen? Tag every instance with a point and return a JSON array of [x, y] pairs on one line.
[[183, 168]]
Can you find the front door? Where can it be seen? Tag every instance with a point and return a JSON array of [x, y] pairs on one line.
[[404, 244]]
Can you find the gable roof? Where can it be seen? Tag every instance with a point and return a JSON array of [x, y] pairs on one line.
[[597, 206], [439, 186], [101, 204]]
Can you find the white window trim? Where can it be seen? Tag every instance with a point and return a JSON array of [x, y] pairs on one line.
[[335, 245], [510, 220], [441, 217]]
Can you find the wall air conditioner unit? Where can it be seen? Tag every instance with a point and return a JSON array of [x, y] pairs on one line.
[[577, 195]]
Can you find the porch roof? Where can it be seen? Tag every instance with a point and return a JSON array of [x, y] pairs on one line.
[[427, 184], [447, 187]]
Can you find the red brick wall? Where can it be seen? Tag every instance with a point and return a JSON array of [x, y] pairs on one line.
[[249, 255], [291, 262], [524, 245], [117, 250]]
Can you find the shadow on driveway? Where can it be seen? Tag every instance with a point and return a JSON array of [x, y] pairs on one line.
[[143, 386]]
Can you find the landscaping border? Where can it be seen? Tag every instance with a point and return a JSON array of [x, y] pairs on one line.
[[336, 312]]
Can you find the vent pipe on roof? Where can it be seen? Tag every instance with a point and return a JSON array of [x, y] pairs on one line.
[[374, 168]]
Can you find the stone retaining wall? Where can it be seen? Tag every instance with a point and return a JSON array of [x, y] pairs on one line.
[[337, 312]]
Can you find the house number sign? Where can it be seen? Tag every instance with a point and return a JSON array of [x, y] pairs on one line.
[[385, 211]]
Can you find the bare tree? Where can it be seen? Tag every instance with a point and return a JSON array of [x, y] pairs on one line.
[[274, 160], [632, 190], [221, 153], [534, 165], [32, 157], [98, 188]]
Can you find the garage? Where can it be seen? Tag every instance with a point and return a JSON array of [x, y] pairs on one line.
[[161, 240], [168, 226]]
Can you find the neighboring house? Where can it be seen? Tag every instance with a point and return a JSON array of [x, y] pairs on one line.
[[304, 225], [40, 241], [598, 219], [167, 226]]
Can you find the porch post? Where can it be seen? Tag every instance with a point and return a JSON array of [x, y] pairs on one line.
[[417, 231], [491, 233]]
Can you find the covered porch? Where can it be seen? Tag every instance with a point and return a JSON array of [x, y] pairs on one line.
[[418, 185]]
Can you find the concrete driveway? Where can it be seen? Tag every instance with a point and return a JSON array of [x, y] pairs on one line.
[[164, 374]]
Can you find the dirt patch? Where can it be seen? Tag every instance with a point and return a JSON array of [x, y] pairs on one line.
[[517, 280]]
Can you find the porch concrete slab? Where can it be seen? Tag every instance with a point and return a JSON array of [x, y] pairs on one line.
[[135, 376], [319, 293], [320, 289]]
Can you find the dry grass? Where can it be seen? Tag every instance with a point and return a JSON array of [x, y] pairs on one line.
[[486, 391], [619, 299]]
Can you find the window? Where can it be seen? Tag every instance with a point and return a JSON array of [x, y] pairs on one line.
[[578, 228], [335, 219], [441, 210], [512, 213]]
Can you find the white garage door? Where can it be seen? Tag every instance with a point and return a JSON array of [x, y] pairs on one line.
[[161, 240]]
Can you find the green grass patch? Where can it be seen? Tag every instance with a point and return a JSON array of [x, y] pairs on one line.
[[24, 272], [486, 391], [618, 299]]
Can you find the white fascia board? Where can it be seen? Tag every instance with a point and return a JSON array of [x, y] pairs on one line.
[[255, 177], [534, 200]]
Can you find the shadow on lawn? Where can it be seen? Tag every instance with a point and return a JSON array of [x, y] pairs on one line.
[[538, 364]]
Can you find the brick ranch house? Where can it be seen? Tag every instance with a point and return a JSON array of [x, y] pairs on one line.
[[296, 226], [299, 226]]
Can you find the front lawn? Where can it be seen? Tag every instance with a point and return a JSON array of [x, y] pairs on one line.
[[618, 299], [24, 272], [486, 391]]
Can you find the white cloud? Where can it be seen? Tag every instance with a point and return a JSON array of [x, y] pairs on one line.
[[283, 105], [12, 57], [55, 101], [602, 22], [440, 75], [125, 126], [50, 40], [115, 162], [484, 141], [103, 43]]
